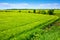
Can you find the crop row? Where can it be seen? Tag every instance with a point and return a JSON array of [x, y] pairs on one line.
[[12, 20], [28, 35], [11, 33]]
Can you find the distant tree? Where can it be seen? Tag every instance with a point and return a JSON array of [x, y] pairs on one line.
[[51, 12], [19, 11], [38, 12], [43, 12], [29, 12], [6, 11], [34, 11]]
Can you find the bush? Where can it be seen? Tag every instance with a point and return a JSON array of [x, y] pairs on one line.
[[51, 12], [7, 11], [19, 11], [43, 12], [38, 12], [29, 12]]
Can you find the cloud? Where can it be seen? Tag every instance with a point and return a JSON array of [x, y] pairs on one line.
[[18, 6], [29, 6], [50, 6], [10, 5]]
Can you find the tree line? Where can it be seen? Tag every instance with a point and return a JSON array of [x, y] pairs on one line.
[[50, 11]]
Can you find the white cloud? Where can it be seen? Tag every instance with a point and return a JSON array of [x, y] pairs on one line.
[[10, 5], [50, 6], [29, 6]]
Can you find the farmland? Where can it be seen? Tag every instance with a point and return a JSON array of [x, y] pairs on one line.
[[27, 25]]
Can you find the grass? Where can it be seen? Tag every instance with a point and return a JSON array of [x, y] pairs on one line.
[[27, 26], [48, 34]]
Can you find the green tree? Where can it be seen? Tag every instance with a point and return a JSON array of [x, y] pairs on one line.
[[51, 12], [43, 12], [34, 11]]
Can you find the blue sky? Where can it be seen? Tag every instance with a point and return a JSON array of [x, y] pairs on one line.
[[30, 4]]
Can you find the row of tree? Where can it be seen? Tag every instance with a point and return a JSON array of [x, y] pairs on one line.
[[50, 12]]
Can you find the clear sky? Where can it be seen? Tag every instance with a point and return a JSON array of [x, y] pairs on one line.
[[30, 4]]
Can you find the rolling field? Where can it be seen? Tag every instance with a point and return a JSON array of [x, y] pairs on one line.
[[28, 26]]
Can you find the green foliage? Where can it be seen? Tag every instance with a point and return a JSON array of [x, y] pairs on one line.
[[43, 12], [19, 11], [29, 11], [52, 34], [51, 12], [37, 11], [34, 11]]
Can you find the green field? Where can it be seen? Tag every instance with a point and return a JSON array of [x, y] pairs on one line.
[[16, 25]]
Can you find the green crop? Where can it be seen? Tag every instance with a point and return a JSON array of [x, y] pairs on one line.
[[15, 25]]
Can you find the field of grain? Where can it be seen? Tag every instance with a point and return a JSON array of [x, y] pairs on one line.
[[25, 25]]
